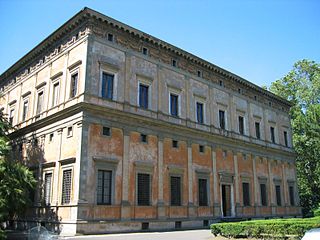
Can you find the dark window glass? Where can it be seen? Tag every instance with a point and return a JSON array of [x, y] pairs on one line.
[[69, 131], [222, 120], [263, 194], [174, 144], [199, 112], [107, 86], [51, 137], [110, 37], [143, 96], [221, 83], [174, 104], [106, 131], [291, 195], [285, 136], [74, 85], [11, 116], [199, 73], [201, 148], [272, 134], [278, 195], [174, 63], [241, 125], [175, 183], [144, 51], [25, 110], [55, 94], [246, 194], [203, 192], [47, 188], [143, 138], [144, 189], [104, 187], [66, 186], [257, 126], [40, 102]]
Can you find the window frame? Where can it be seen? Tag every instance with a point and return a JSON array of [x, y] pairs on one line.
[[285, 138], [207, 195], [272, 134], [146, 83], [278, 194], [150, 187], [111, 188], [75, 71], [241, 127], [180, 189], [51, 186], [25, 111], [223, 123], [55, 99], [257, 127], [40, 109], [67, 168], [203, 111], [265, 202], [246, 198]]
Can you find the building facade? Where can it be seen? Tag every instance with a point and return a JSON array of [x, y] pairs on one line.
[[126, 132]]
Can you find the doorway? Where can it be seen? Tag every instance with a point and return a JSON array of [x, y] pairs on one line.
[[226, 200]]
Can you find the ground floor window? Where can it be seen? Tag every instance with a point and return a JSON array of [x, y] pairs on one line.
[[47, 188], [278, 195], [203, 192], [66, 186], [104, 185], [175, 183], [263, 194], [144, 189], [246, 194]]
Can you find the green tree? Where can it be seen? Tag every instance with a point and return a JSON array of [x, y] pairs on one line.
[[16, 181], [301, 86]]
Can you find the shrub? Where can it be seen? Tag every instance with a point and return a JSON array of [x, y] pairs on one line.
[[273, 228]]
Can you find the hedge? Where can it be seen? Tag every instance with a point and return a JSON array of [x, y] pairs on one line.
[[271, 229]]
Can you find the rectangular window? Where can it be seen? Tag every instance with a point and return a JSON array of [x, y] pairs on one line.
[[40, 102], [272, 134], [74, 85], [278, 195], [143, 96], [55, 94], [143, 138], [106, 131], [203, 192], [175, 184], [174, 63], [144, 189], [47, 188], [291, 195], [285, 136], [199, 112], [199, 73], [107, 85], [25, 110], [257, 126], [246, 194], [201, 148], [66, 186], [110, 37], [145, 51], [11, 116], [174, 104], [104, 187], [174, 143], [241, 125], [263, 194], [222, 120], [69, 132]]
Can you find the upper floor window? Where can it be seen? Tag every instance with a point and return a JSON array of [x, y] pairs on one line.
[[222, 120], [110, 37], [55, 94], [199, 73], [174, 104], [107, 85], [144, 189], [25, 110], [145, 51], [40, 102], [272, 135], [241, 125], [257, 127], [104, 187], [199, 108], [144, 96], [11, 116], [74, 85], [285, 136], [174, 62]]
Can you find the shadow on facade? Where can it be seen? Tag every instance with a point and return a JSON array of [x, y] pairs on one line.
[[30, 152]]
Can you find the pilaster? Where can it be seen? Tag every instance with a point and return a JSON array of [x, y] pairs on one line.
[[125, 205]]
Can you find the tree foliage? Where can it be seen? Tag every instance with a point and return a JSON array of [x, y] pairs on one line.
[[16, 181], [301, 86]]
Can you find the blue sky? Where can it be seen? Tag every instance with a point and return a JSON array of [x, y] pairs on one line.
[[257, 40]]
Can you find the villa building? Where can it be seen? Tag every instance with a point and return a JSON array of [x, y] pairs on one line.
[[127, 132]]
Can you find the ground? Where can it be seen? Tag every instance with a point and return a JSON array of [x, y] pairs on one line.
[[175, 235]]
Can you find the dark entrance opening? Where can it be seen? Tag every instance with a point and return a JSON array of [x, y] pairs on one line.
[[226, 200]]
